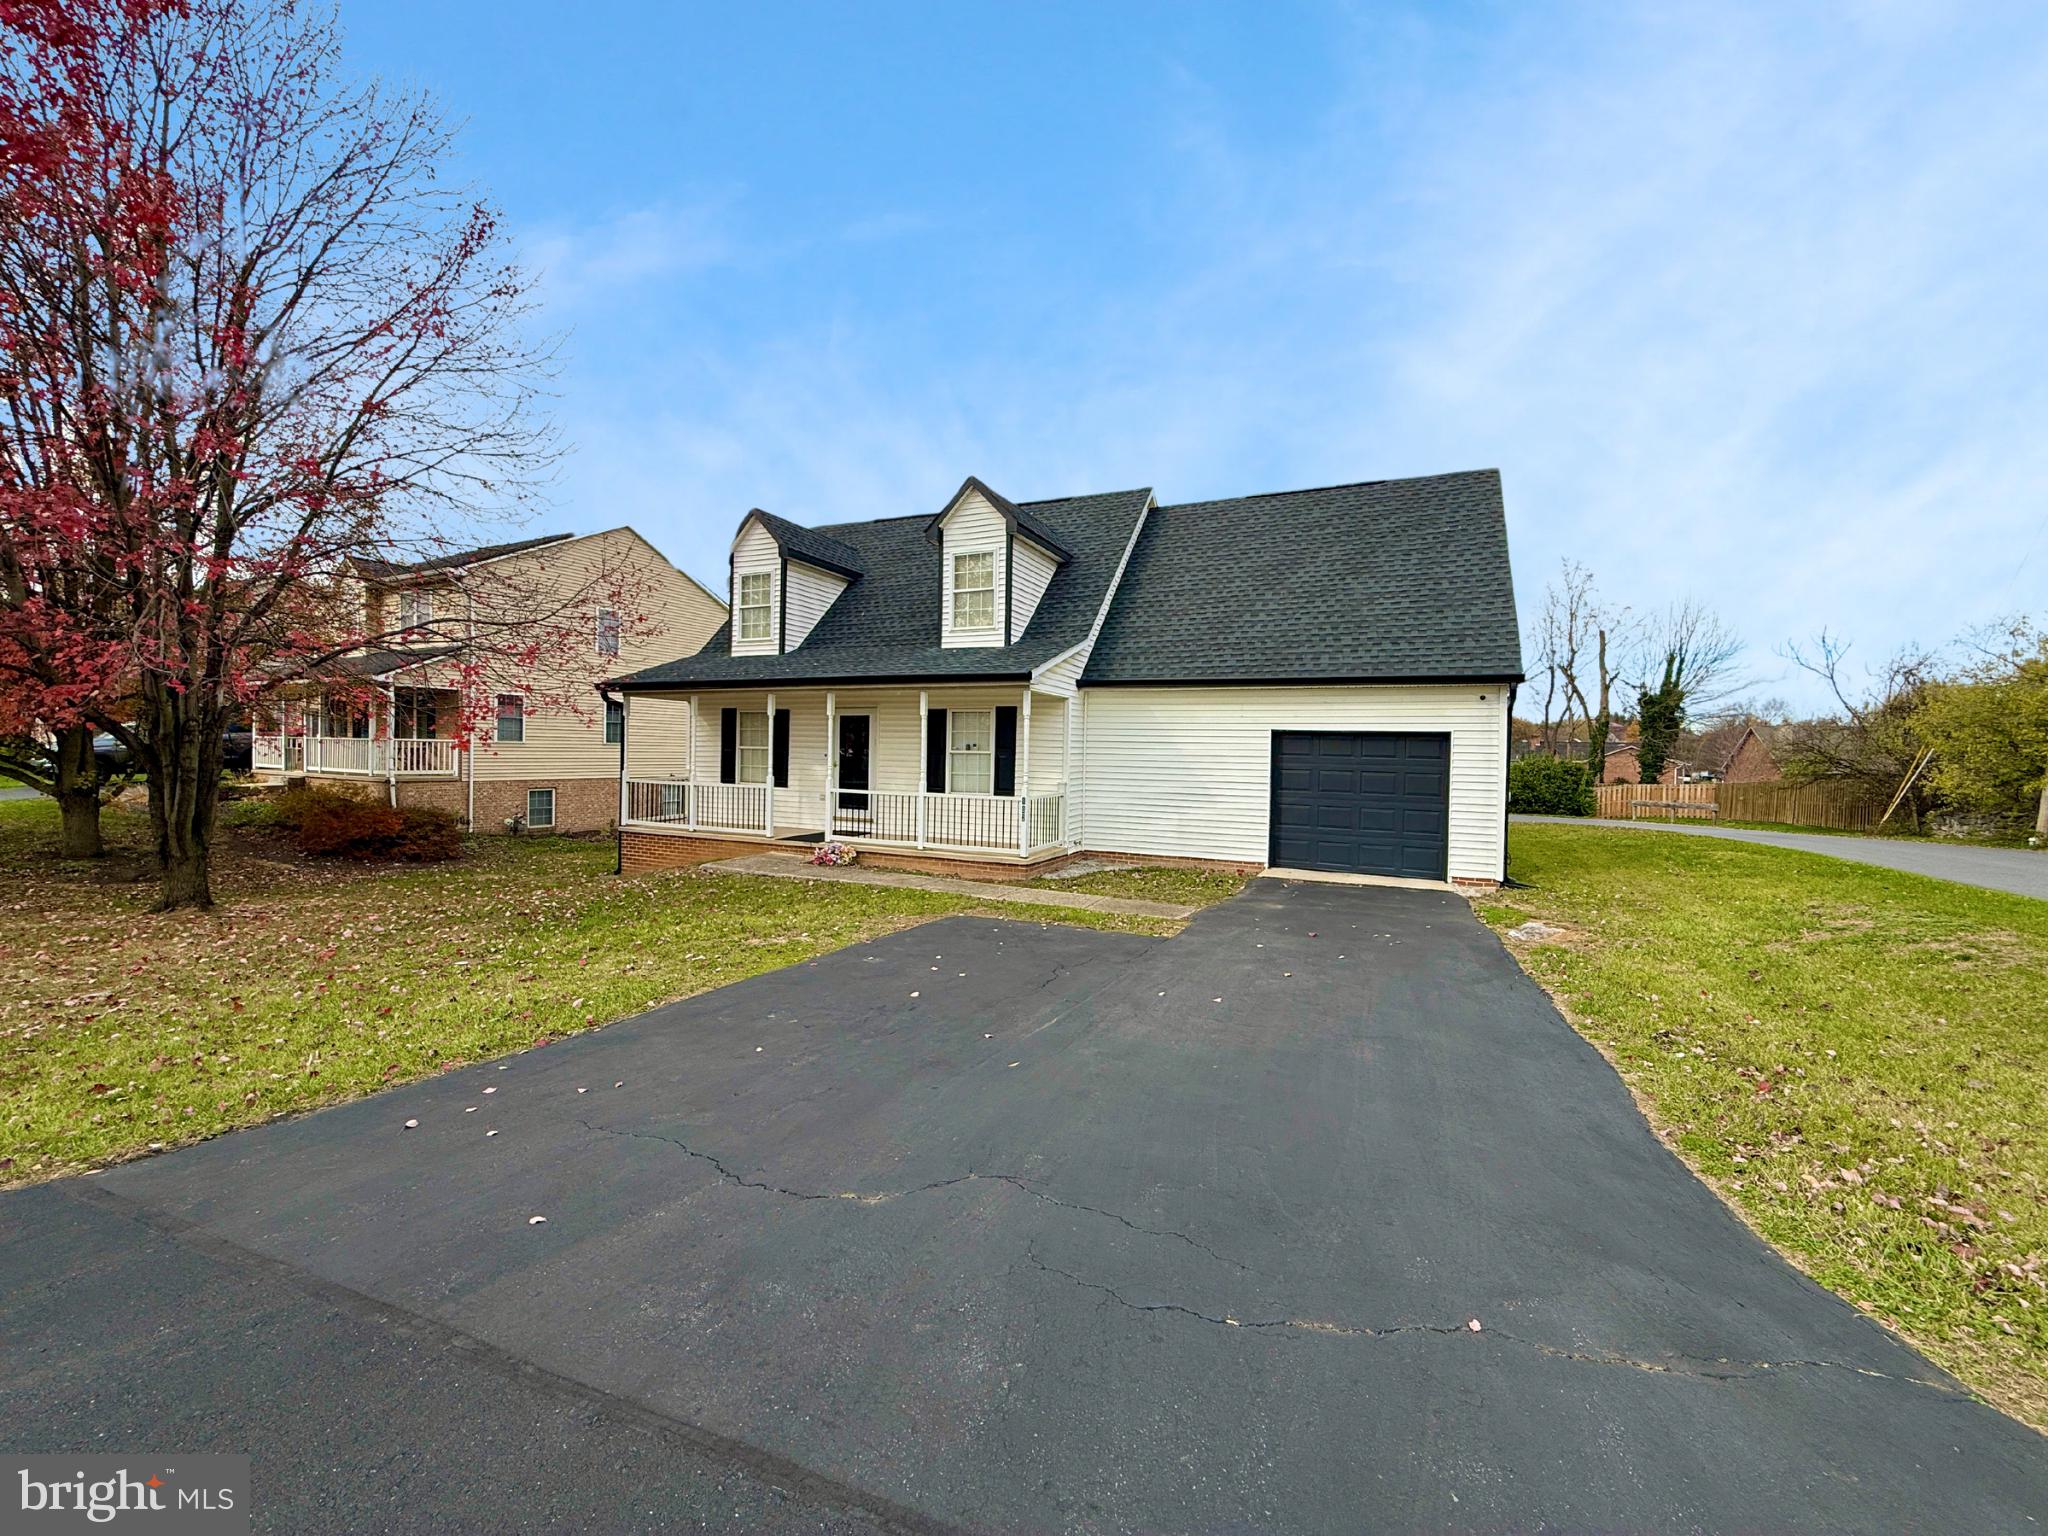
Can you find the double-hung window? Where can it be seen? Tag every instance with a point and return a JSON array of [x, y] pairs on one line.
[[751, 759], [757, 589], [974, 590], [614, 721], [540, 807], [607, 632], [415, 608], [970, 751], [511, 717]]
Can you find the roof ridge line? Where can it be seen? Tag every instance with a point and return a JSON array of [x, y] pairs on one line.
[[1341, 485]]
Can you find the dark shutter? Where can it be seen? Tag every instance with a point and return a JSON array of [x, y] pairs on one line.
[[781, 752], [935, 752], [1006, 749], [728, 746]]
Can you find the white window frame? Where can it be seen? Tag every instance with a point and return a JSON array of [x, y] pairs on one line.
[[531, 822], [608, 629], [960, 591], [415, 608], [955, 753], [614, 715], [742, 747], [765, 607], [518, 702]]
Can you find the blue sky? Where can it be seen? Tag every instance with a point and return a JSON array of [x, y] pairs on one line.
[[1745, 303]]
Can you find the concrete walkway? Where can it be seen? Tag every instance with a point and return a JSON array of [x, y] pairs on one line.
[[789, 866], [2021, 871]]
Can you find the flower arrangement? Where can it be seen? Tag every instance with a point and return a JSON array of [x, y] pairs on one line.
[[834, 854]]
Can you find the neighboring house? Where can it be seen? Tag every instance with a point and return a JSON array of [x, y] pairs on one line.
[[1314, 679], [389, 716], [1752, 760], [1621, 766]]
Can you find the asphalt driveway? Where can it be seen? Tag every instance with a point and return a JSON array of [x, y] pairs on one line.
[[2022, 871], [999, 1226]]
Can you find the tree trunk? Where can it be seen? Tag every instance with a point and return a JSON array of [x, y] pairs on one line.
[[1598, 727], [184, 790], [78, 795], [2041, 811]]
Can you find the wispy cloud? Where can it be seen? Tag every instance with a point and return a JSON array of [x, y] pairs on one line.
[[1744, 303]]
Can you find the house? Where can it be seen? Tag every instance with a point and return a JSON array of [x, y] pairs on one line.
[[1735, 752], [1621, 766], [1317, 679], [388, 717]]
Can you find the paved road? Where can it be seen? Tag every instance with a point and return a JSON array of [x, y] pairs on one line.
[[2022, 871], [993, 1225]]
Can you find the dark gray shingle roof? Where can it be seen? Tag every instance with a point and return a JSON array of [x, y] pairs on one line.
[[1385, 580], [885, 625], [809, 544], [380, 569]]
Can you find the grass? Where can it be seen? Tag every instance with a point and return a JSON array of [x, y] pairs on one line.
[[1855, 1058], [1183, 887], [122, 1030], [1899, 831]]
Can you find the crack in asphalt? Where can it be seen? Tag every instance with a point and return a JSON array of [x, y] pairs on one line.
[[1695, 1367], [1698, 1367], [883, 1197]]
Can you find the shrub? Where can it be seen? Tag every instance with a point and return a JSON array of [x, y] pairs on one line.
[[329, 824], [1550, 786]]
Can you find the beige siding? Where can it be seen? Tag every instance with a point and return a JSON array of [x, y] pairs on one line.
[[754, 551], [1033, 569], [972, 526], [1186, 772], [811, 592], [657, 737], [566, 740]]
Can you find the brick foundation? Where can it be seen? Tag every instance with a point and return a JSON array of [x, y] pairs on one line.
[[581, 805]]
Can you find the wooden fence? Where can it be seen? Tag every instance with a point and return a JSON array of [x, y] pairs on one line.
[[1798, 805]]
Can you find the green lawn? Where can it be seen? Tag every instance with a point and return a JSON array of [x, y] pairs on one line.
[[1184, 887], [121, 1029], [1856, 1059]]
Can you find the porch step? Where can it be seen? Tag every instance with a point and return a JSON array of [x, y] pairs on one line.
[[789, 866]]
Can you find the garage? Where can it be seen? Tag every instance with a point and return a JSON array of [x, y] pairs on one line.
[[1362, 802]]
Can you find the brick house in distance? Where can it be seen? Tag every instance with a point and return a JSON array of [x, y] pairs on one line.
[[384, 719], [1736, 753]]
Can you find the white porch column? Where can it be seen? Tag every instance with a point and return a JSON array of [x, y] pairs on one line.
[[690, 770], [770, 786], [924, 726], [831, 760], [1024, 773], [625, 736], [1068, 820]]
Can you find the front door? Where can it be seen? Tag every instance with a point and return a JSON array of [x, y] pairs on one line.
[[853, 766]]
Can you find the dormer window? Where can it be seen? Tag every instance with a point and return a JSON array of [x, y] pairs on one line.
[[756, 592], [974, 589]]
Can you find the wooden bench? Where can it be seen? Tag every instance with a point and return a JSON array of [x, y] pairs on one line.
[[1675, 808]]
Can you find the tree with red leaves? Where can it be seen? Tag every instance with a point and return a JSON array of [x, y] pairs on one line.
[[246, 331]]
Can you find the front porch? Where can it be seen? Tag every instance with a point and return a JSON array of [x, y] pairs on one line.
[[977, 773], [323, 737]]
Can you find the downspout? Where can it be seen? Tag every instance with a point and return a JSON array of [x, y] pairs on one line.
[[391, 742], [1506, 766]]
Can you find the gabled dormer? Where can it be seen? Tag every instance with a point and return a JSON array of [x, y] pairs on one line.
[[784, 578], [995, 562]]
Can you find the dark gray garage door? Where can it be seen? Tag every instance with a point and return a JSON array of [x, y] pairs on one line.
[[1361, 802]]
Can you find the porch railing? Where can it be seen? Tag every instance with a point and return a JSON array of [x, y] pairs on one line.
[[948, 823], [370, 757]]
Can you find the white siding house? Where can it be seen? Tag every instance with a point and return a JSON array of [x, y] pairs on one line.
[[1314, 679]]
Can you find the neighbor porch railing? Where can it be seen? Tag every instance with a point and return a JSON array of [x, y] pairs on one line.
[[370, 757]]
